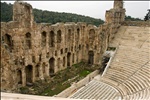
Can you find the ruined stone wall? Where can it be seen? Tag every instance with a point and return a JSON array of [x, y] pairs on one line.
[[32, 51], [117, 14]]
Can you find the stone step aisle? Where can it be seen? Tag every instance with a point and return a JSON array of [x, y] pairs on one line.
[[96, 90]]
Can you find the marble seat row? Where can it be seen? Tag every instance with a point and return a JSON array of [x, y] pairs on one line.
[[141, 95], [96, 90], [136, 84], [132, 73]]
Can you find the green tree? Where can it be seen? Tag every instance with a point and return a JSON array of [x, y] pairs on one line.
[[41, 16], [147, 17], [129, 18]]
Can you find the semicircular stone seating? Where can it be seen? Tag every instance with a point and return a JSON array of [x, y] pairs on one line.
[[128, 76], [130, 68]]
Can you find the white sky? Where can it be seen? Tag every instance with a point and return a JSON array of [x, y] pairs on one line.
[[94, 9]]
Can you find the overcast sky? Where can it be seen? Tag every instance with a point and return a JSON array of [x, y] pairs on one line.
[[94, 9]]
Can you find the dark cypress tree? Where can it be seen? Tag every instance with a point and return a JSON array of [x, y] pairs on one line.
[[147, 17]]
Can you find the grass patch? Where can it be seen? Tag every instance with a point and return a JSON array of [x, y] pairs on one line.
[[24, 90], [59, 88], [84, 73], [78, 65]]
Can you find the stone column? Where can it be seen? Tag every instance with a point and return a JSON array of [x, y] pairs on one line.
[[47, 70], [70, 59], [23, 77], [65, 61], [61, 63], [41, 72], [33, 74], [79, 56], [74, 57], [55, 66]]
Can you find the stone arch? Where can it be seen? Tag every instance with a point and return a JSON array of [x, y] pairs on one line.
[[28, 40], [91, 35], [91, 57], [29, 73], [19, 77], [75, 48], [43, 40], [95, 47], [47, 55], [66, 50], [72, 48], [79, 47], [56, 53], [37, 70], [33, 59], [40, 57], [69, 59], [52, 65], [78, 33], [69, 34], [51, 39], [77, 57], [73, 58], [59, 36], [64, 61], [59, 63], [61, 51], [7, 39], [44, 68], [87, 46], [27, 9]]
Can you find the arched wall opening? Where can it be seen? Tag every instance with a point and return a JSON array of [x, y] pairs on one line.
[[52, 65], [7, 39], [73, 58], [43, 41], [29, 73], [59, 39], [69, 35], [44, 68], [19, 77], [28, 40], [64, 61], [78, 33], [91, 35], [68, 59], [51, 39], [91, 58], [37, 70]]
